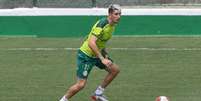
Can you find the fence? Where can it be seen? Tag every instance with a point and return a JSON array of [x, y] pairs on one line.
[[93, 3]]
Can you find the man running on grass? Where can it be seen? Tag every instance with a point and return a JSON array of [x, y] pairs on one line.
[[92, 53]]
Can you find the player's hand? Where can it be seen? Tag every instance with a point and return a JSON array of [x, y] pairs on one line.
[[106, 62]]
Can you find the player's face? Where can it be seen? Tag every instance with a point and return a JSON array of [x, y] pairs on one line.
[[115, 16]]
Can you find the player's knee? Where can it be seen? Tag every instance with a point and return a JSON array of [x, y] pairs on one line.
[[115, 70]]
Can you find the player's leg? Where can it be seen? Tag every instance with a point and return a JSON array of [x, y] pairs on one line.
[[113, 71], [79, 85], [84, 66]]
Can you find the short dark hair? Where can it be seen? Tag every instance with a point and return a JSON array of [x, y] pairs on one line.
[[113, 7]]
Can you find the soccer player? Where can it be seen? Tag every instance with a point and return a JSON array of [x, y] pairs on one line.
[[93, 53]]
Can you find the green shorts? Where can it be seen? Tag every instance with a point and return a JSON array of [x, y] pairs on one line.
[[86, 63]]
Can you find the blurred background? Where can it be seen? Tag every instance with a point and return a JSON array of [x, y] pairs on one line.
[[6, 4]]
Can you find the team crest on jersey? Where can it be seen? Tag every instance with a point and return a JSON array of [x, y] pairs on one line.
[[85, 73]]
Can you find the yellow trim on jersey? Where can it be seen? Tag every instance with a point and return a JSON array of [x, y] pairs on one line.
[[96, 31]]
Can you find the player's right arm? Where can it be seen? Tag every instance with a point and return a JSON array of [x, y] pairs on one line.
[[93, 46]]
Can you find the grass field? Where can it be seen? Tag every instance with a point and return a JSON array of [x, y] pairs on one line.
[[41, 69]]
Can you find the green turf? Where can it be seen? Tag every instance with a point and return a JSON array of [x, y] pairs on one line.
[[44, 75]]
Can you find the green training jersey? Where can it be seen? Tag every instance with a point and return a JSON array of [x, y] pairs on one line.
[[103, 31]]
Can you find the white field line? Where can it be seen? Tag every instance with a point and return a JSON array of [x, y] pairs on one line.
[[121, 49]]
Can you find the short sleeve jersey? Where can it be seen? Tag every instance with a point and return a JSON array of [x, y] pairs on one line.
[[103, 31]]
